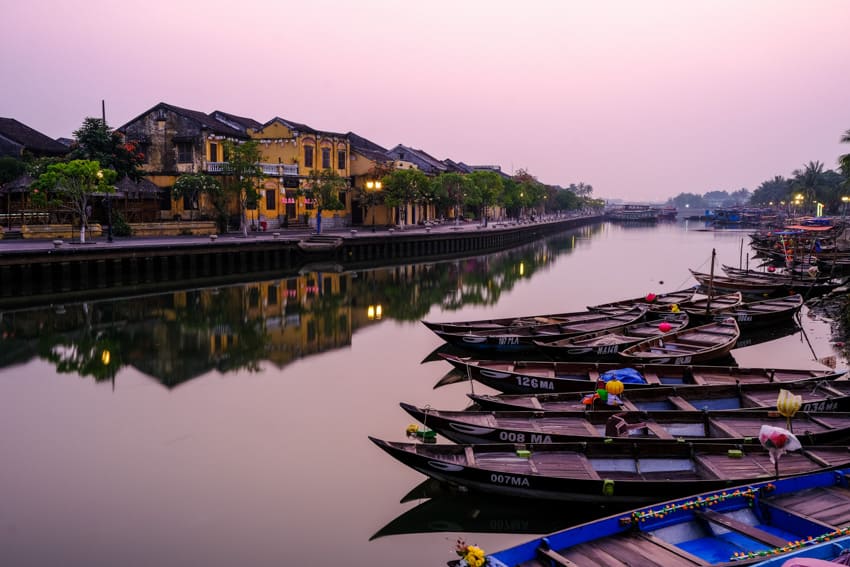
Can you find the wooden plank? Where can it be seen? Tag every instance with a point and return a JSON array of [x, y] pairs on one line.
[[556, 558], [751, 532], [659, 431], [470, 456], [651, 378], [681, 553], [681, 403]]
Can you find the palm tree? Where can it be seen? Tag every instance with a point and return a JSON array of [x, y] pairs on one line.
[[844, 160], [808, 180]]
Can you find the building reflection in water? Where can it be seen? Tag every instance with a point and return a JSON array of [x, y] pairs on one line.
[[175, 337]]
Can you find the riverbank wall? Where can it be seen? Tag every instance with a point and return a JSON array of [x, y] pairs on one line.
[[62, 272]]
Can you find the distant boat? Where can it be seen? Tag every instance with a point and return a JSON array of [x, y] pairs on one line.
[[634, 213]]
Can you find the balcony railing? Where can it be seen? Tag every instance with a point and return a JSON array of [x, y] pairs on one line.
[[270, 169]]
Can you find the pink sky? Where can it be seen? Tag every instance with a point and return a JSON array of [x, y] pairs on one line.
[[642, 99]]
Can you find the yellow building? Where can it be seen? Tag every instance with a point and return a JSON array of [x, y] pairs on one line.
[[291, 153]]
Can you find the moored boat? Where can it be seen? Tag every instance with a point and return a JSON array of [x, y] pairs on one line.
[[569, 318], [615, 470], [651, 300], [521, 338], [760, 313], [533, 377], [696, 344], [638, 426], [761, 523], [606, 345], [817, 396]]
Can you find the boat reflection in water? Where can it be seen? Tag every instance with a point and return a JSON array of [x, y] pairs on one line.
[[449, 510]]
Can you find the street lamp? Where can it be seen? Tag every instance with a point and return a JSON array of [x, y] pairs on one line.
[[844, 199], [108, 209], [373, 186]]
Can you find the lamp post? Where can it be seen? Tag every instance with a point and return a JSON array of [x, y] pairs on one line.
[[844, 199], [373, 186]]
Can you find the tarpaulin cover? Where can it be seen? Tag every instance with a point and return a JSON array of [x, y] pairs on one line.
[[624, 375]]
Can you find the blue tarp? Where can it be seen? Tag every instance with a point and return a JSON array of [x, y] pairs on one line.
[[624, 375]]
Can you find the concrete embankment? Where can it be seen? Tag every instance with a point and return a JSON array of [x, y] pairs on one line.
[[38, 273]]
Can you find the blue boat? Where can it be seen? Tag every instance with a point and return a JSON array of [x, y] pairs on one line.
[[763, 523]]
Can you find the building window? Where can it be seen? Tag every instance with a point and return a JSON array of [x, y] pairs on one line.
[[184, 152], [271, 204], [340, 159], [272, 295], [190, 202], [326, 158], [213, 151], [165, 200], [308, 156]]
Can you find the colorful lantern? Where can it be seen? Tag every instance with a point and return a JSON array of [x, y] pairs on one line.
[[771, 269], [614, 387], [665, 327], [650, 297], [777, 441], [674, 308], [788, 404]]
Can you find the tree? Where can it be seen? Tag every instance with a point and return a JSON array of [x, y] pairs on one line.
[[402, 187], [454, 188], [487, 189], [531, 191], [74, 182], [566, 200], [776, 190], [844, 160], [326, 186], [243, 177], [96, 141], [192, 185], [10, 169]]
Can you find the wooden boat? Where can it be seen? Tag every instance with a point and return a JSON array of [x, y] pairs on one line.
[[752, 314], [752, 286], [638, 426], [540, 377], [817, 396], [607, 344], [521, 338], [651, 301], [320, 243], [783, 276], [763, 523], [765, 286], [696, 344], [528, 321], [615, 470], [711, 304]]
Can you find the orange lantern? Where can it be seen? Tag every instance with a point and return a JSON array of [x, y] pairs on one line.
[[614, 387]]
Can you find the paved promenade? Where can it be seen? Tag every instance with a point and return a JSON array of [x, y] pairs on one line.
[[7, 246]]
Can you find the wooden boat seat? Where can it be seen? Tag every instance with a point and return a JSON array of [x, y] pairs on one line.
[[751, 532], [680, 346], [651, 378]]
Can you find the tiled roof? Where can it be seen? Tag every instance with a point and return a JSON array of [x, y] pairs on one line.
[[303, 128], [368, 148], [243, 122], [422, 156], [31, 139], [205, 120], [128, 186]]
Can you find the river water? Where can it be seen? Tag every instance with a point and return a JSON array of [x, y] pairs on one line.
[[228, 426]]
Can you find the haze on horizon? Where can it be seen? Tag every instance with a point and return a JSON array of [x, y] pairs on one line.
[[643, 100]]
